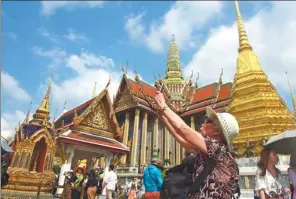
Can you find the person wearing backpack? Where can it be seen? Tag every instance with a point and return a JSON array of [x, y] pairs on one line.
[[153, 179], [216, 173]]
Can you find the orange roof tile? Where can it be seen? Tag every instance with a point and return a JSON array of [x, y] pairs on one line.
[[204, 93], [93, 141]]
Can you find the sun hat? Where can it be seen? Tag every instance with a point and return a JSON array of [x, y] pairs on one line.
[[158, 163], [5, 146], [227, 122]]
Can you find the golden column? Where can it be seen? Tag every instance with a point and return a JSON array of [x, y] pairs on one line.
[[135, 138], [125, 134], [173, 159], [166, 144], [144, 140], [192, 122], [155, 135], [178, 153]]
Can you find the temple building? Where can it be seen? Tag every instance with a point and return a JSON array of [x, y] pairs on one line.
[[89, 131], [251, 98], [34, 151], [143, 133]]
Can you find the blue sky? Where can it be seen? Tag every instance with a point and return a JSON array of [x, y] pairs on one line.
[[84, 42]]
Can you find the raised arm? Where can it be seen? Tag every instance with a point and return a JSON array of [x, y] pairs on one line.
[[182, 129], [189, 147]]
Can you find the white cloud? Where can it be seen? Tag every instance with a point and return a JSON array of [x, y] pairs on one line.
[[9, 121], [182, 20], [50, 7], [72, 36], [56, 55], [48, 35], [89, 68], [13, 89], [271, 34]]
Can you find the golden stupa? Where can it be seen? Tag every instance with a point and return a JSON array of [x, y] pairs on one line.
[[255, 102]]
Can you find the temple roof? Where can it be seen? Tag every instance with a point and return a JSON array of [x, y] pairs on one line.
[[90, 140], [94, 116], [68, 116], [202, 97]]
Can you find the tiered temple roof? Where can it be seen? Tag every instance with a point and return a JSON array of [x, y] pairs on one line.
[[91, 124]]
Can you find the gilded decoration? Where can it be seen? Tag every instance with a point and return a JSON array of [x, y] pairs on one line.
[[34, 149], [125, 101], [97, 117]]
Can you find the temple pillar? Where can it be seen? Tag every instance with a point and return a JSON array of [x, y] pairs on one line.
[[64, 168], [135, 138], [144, 141], [125, 134], [173, 154], [166, 144], [155, 136], [192, 122], [178, 153]]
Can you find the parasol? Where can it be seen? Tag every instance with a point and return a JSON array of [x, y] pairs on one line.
[[5, 146], [284, 143]]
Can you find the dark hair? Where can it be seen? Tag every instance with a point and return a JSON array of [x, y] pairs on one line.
[[111, 167], [262, 164], [133, 186]]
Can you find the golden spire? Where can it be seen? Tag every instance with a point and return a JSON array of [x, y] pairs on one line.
[[64, 108], [243, 38], [94, 91], [44, 109], [292, 94], [27, 118]]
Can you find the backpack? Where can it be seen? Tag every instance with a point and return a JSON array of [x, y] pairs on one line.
[[178, 182]]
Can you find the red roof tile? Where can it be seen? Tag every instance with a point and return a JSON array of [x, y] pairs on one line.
[[93, 141], [205, 92]]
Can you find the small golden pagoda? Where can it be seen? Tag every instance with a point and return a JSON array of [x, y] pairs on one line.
[[255, 102], [34, 151]]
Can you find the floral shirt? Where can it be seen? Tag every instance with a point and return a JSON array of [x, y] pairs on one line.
[[222, 182]]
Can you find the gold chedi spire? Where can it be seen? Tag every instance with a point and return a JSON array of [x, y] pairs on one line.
[[95, 90], [243, 38], [42, 113], [256, 104], [247, 60], [292, 95]]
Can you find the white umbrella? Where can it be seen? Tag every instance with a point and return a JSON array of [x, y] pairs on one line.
[[284, 143], [5, 146]]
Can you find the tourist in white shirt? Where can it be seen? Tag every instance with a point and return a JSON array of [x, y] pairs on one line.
[[269, 181], [110, 182]]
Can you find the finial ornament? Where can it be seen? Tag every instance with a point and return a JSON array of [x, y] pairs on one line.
[[94, 90], [292, 95], [64, 108], [27, 118], [173, 37], [109, 81], [220, 78], [243, 38]]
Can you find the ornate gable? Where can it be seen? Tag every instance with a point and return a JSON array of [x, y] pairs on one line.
[[123, 99], [97, 118]]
